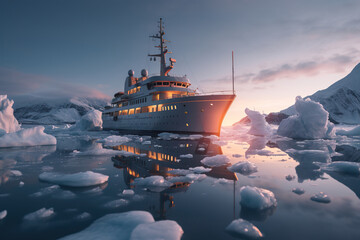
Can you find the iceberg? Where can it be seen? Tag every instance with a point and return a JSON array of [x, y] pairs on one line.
[[257, 198], [244, 229], [243, 167], [298, 191], [91, 121], [259, 126], [166, 229], [8, 121], [310, 122], [81, 179], [215, 161]]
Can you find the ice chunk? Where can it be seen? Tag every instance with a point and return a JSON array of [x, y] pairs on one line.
[[311, 122], [180, 171], [114, 140], [154, 183], [91, 121], [341, 166], [146, 142], [200, 169], [243, 167], [166, 229], [244, 229], [259, 126], [40, 214], [46, 191], [223, 181], [81, 179], [98, 150], [187, 156], [8, 122], [298, 191], [128, 192], [116, 203], [65, 195], [3, 214], [215, 161], [168, 136], [188, 178], [352, 132], [27, 137], [290, 177], [321, 197], [257, 198], [237, 155], [83, 216], [47, 168], [113, 226], [16, 173], [21, 184]]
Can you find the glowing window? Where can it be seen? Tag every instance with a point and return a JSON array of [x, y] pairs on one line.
[[131, 111], [175, 107], [187, 124], [171, 107]]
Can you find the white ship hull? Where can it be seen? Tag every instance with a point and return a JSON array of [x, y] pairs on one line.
[[194, 114]]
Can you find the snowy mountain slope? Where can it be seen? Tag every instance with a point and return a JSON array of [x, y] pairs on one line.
[[55, 110], [341, 99]]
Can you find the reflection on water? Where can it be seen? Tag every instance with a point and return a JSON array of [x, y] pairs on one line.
[[203, 207]]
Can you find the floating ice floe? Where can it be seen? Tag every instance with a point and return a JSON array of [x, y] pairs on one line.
[[259, 126], [40, 214], [81, 179], [46, 191], [186, 156], [237, 155], [341, 166], [298, 191], [116, 203], [98, 150], [154, 183], [200, 169], [65, 195], [215, 161], [311, 122], [321, 197], [128, 192], [166, 229], [257, 198], [91, 121], [290, 177], [168, 136], [21, 184], [146, 143], [47, 168], [187, 178], [242, 228], [117, 226], [3, 214], [83, 216], [114, 140], [180, 171], [16, 173], [243, 167], [223, 181], [352, 132]]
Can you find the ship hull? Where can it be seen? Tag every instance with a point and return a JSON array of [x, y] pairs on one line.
[[195, 114]]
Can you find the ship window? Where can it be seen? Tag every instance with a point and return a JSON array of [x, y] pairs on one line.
[[137, 110], [159, 83], [168, 107], [124, 112], [178, 84], [131, 111], [166, 83], [184, 85]]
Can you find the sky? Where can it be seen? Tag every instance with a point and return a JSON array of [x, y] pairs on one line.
[[282, 48]]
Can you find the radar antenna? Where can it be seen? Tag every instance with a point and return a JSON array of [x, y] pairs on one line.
[[164, 70]]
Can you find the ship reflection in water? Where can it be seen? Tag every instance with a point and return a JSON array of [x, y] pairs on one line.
[[166, 158]]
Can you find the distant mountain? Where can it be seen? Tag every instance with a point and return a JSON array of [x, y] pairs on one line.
[[341, 99], [39, 110]]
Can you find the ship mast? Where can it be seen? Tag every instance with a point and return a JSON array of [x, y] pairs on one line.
[[164, 70]]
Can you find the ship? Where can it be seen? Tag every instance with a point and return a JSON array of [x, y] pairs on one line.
[[165, 103]]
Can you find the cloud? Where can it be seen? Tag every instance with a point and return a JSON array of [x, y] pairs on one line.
[[336, 63], [16, 83]]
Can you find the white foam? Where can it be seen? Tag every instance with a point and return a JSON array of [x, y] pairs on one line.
[[81, 179], [215, 161], [243, 167], [257, 198], [242, 228], [166, 229]]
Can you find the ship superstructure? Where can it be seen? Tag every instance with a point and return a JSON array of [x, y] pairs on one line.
[[165, 103]]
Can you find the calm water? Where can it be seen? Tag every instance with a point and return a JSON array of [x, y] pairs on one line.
[[204, 208]]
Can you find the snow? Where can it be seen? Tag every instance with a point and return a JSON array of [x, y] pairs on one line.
[[27, 137], [81, 179], [310, 122], [242, 228], [321, 197], [155, 183], [166, 229], [298, 191], [117, 226], [3, 214], [114, 140], [91, 121], [215, 161], [40, 214], [8, 121], [187, 156], [257, 198], [116, 203], [200, 169], [259, 126], [243, 167], [352, 132], [128, 192], [341, 166]]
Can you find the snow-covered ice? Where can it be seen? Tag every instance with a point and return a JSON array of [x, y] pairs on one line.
[[46, 191], [298, 191], [83, 216], [321, 197], [189, 155], [257, 198], [40, 214], [3, 214], [166, 229], [352, 132], [259, 126], [341, 166], [81, 179], [16, 173], [242, 228], [65, 195], [116, 203], [215, 161], [168, 136], [91, 121], [200, 169], [310, 122], [154, 183], [243, 167], [128, 192], [114, 140], [8, 121], [189, 178]]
